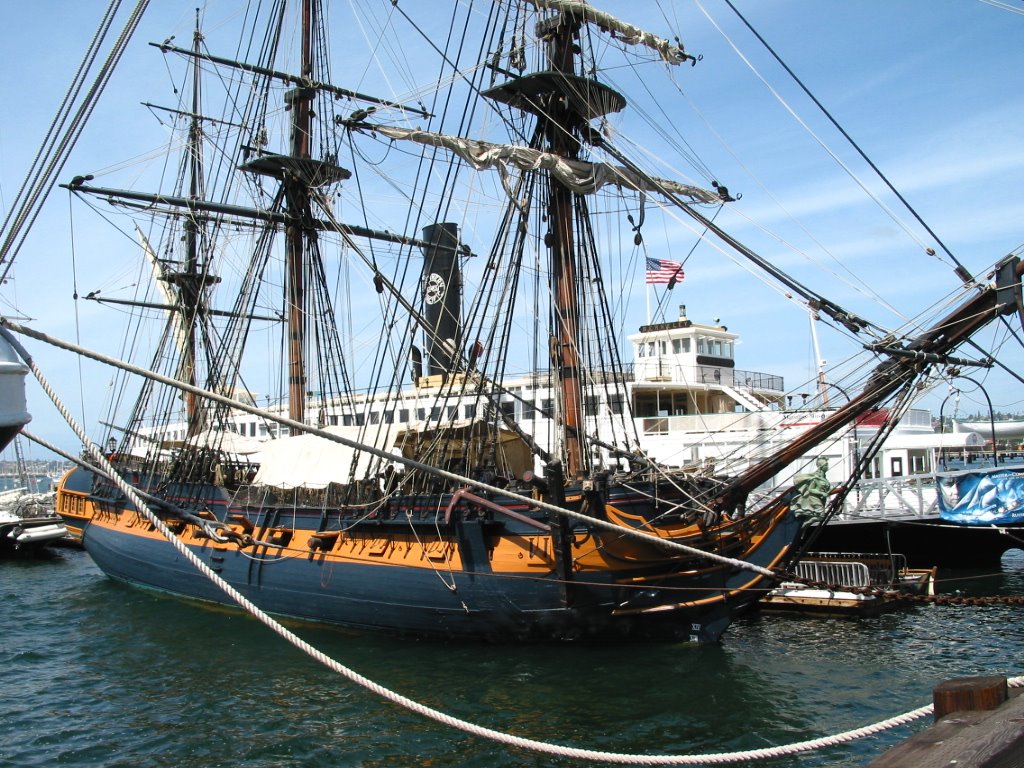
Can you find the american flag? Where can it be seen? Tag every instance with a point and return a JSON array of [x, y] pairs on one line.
[[663, 271]]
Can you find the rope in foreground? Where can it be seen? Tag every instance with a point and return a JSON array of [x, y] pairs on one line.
[[417, 707]]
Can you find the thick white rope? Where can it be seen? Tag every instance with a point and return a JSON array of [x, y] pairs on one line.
[[415, 706]]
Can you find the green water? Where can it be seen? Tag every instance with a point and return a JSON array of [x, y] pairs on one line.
[[100, 674]]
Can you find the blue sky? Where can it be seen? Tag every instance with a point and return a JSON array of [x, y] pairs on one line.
[[932, 90]]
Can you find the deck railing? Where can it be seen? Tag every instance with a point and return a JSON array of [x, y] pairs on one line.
[[892, 497]]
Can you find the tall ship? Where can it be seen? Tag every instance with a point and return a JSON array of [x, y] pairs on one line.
[[476, 466]]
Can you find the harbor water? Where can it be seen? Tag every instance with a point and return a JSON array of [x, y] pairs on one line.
[[100, 674]]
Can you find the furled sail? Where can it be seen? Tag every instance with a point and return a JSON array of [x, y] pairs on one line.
[[580, 176], [672, 53]]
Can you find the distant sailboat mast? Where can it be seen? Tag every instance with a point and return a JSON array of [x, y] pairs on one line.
[[819, 364]]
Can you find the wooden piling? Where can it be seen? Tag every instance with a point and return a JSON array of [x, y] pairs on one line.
[[978, 724], [969, 694]]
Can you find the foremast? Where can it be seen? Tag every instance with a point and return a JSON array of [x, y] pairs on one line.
[[194, 278], [299, 210]]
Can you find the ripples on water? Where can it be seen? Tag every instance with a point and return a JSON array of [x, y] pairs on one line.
[[99, 674]]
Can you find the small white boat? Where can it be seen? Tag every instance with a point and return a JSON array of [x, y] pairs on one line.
[[849, 584], [28, 522]]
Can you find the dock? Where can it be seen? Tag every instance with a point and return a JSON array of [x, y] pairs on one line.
[[979, 723]]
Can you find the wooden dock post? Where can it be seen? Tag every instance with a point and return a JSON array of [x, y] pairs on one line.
[[969, 694], [977, 725]]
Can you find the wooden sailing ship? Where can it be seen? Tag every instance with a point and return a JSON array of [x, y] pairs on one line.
[[459, 522]]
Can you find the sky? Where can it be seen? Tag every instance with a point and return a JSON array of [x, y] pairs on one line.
[[931, 90]]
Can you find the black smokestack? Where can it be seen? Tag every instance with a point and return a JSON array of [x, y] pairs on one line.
[[442, 295]]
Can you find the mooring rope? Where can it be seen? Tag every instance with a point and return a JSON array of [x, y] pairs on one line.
[[412, 705]]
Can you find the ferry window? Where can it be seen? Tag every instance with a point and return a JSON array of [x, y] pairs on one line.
[[389, 417], [333, 420], [715, 347], [663, 347], [347, 419], [641, 350], [469, 411], [452, 411], [421, 414], [873, 469], [650, 349], [547, 407], [435, 412], [528, 409], [590, 405], [508, 407], [681, 346], [403, 415], [727, 349], [252, 429], [920, 463], [700, 346], [374, 417], [263, 430], [897, 466], [616, 403], [360, 419]]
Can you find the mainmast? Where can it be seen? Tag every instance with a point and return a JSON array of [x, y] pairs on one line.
[[563, 103], [560, 137], [298, 209]]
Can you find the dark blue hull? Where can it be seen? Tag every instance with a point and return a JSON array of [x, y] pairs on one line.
[[439, 602]]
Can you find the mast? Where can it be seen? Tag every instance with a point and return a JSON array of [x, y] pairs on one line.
[[819, 364], [559, 136], [193, 278], [298, 209], [195, 155], [563, 102]]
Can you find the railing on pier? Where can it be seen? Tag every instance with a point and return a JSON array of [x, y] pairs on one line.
[[911, 496], [840, 574]]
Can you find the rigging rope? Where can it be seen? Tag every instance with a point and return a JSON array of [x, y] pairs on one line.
[[960, 270], [44, 178]]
